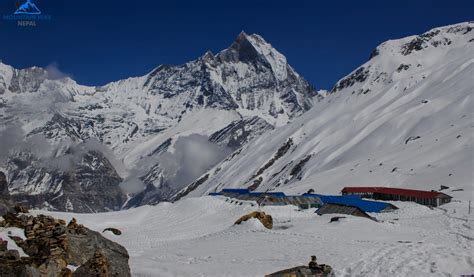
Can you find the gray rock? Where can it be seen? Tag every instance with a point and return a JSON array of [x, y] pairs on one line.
[[91, 184], [5, 204], [51, 246], [82, 247]]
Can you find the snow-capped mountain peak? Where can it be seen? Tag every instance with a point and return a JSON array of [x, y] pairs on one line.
[[393, 59], [250, 76], [253, 47]]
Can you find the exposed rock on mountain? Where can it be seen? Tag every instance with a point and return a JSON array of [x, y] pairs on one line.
[[249, 76], [5, 203], [3, 185], [240, 132], [90, 185]]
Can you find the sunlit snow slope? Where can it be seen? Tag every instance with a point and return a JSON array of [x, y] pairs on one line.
[[402, 119]]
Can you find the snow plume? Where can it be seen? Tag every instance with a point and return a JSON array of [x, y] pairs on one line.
[[54, 73], [132, 183], [192, 156]]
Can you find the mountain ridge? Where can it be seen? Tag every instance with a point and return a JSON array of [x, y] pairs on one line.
[[391, 122], [240, 93]]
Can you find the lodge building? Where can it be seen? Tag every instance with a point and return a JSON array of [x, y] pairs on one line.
[[428, 198]]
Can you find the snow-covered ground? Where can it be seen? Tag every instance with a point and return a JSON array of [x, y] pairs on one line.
[[196, 237], [5, 234]]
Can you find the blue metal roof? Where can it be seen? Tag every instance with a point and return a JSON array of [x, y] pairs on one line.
[[256, 194], [239, 191], [352, 200], [275, 194], [215, 193], [366, 206], [272, 194], [310, 195]]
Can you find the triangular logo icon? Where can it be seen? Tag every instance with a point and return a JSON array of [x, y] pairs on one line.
[[28, 8]]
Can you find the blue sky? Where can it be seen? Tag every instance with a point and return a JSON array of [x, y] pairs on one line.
[[101, 41]]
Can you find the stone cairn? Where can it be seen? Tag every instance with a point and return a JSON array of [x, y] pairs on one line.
[[98, 266], [46, 241], [46, 244], [74, 228], [49, 234]]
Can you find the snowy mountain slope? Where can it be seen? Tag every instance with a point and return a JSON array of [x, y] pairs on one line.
[[196, 237], [231, 137], [240, 93], [402, 119]]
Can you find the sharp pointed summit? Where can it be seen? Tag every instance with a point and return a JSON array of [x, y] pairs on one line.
[[242, 35], [253, 48], [240, 50]]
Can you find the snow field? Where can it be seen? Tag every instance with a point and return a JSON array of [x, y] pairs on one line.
[[196, 237]]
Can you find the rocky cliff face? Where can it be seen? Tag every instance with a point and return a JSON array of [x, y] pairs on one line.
[[240, 132], [90, 185]]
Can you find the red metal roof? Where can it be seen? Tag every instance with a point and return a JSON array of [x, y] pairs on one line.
[[395, 191]]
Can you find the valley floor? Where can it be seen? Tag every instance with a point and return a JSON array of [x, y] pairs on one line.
[[196, 237]]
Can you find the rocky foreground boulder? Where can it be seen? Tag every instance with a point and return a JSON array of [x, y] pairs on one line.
[[264, 218], [303, 271], [54, 248], [312, 270]]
